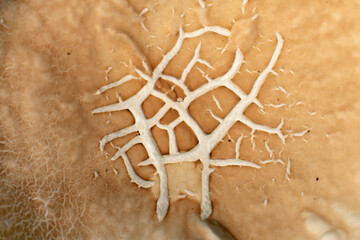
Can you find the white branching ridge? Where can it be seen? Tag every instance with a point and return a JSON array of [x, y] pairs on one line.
[[206, 142]]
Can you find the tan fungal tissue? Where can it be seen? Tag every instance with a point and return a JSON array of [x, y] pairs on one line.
[[194, 119]]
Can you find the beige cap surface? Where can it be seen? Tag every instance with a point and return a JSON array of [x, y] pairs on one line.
[[298, 135]]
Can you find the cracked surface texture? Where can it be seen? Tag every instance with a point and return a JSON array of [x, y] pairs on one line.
[[221, 119]]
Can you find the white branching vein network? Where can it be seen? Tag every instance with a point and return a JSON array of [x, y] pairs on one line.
[[206, 142]]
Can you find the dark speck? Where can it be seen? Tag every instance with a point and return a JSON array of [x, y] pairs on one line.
[[106, 170], [308, 131], [229, 140], [317, 179], [68, 54]]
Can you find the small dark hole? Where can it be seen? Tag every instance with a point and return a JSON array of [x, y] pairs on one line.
[[317, 179], [106, 170], [229, 140], [308, 131], [258, 71], [68, 54]]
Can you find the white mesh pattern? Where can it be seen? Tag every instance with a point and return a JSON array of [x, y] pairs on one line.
[[207, 142]]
